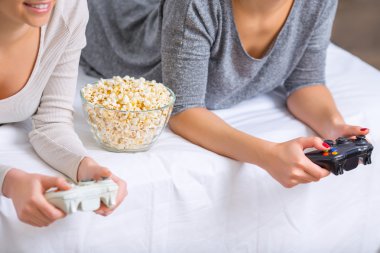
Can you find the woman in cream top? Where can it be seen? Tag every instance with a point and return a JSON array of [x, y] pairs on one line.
[[40, 46]]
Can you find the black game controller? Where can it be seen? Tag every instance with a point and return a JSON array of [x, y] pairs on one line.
[[344, 154]]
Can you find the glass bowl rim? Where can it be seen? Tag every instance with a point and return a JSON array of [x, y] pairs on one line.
[[141, 111]]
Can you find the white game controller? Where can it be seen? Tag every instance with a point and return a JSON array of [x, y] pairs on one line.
[[85, 196]]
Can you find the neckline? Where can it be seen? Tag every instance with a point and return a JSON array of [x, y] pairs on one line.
[[34, 70], [275, 41]]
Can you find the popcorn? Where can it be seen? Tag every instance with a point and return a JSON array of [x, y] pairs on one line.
[[127, 114]]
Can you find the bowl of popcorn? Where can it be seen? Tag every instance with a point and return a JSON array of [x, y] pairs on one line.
[[127, 114]]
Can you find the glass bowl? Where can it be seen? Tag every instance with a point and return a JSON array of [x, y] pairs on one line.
[[126, 131]]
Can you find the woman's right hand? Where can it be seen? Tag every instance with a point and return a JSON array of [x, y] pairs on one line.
[[27, 193], [287, 163]]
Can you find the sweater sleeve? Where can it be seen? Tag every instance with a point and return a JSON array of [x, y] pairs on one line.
[[53, 136], [310, 70], [3, 171], [188, 32]]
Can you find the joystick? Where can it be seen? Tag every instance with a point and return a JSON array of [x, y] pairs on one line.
[[342, 140], [360, 140], [85, 196], [344, 154]]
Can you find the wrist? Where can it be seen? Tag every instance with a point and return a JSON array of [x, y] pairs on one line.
[[85, 169], [334, 121], [263, 153], [328, 130], [256, 150], [10, 181]]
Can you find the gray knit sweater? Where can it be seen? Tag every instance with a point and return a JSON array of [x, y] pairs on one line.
[[193, 47]]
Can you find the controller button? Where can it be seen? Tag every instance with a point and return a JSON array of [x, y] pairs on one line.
[[334, 153], [325, 154], [326, 145], [333, 149], [329, 142]]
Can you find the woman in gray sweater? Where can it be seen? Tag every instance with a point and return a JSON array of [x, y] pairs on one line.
[[40, 45], [216, 53]]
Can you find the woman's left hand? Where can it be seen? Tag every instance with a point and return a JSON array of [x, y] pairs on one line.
[[91, 170], [344, 130]]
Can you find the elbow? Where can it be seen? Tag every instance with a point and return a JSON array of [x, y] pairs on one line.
[[184, 121], [175, 123]]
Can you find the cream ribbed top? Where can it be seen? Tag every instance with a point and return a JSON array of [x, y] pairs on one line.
[[48, 96]]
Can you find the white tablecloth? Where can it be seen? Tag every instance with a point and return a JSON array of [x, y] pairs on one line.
[[183, 198]]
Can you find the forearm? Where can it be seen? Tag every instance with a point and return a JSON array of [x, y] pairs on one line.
[[315, 107], [204, 128]]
